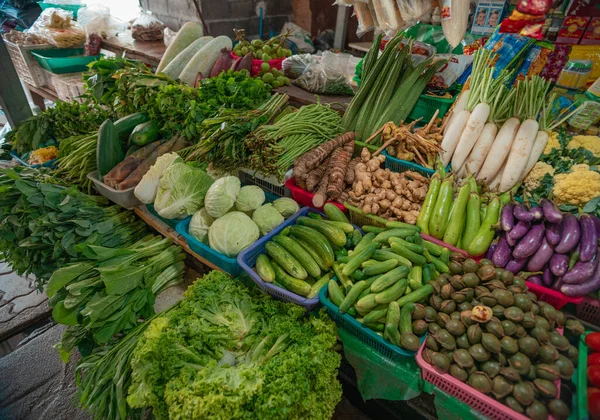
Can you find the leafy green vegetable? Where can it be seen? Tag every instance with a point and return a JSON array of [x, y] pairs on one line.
[[232, 233], [227, 351]]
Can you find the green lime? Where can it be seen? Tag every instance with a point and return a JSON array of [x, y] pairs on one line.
[[276, 84], [288, 53], [268, 78], [265, 67], [266, 57], [238, 51], [244, 51], [286, 81], [257, 43], [266, 49]]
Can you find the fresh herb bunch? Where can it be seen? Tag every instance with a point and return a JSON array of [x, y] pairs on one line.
[[41, 224]]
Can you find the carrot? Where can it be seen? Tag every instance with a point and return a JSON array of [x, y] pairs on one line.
[[477, 156], [519, 154], [541, 140], [499, 150], [470, 134], [453, 135]]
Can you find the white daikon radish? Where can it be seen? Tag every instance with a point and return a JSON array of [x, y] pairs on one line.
[[539, 145], [453, 135], [496, 181], [519, 154], [459, 105], [470, 134], [499, 150], [477, 156]]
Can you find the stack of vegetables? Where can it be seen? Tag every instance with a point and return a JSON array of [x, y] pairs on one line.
[[557, 249], [488, 331], [224, 348], [459, 213], [390, 88]]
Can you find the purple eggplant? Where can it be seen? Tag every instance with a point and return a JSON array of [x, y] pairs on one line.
[[558, 283], [570, 234], [582, 289], [553, 233], [507, 219], [535, 280], [514, 265], [520, 230], [589, 238], [597, 224], [502, 253], [581, 271], [559, 264], [511, 242], [541, 256], [536, 213], [530, 243], [490, 252], [521, 212], [551, 212], [547, 277]]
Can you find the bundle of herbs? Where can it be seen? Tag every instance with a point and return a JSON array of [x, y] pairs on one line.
[[76, 159]]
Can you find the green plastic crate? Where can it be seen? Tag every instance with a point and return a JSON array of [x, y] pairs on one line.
[[427, 105], [74, 8], [64, 60]]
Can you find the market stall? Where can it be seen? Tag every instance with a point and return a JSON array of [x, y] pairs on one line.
[[438, 199]]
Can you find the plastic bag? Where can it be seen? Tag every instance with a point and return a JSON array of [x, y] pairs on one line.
[[413, 10], [296, 65], [299, 40], [147, 28], [450, 72], [328, 77], [96, 19], [169, 36], [366, 22], [58, 28], [455, 19], [388, 16]]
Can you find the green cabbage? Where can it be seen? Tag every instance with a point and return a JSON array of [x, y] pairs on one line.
[[250, 198], [181, 191], [200, 224], [267, 218], [147, 188], [286, 206], [232, 233], [221, 196]]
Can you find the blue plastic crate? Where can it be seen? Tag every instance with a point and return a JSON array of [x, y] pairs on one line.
[[48, 164], [247, 259], [398, 165], [365, 334]]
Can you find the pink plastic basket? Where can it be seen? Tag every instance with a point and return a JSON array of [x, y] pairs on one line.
[[588, 310], [488, 406], [257, 64], [553, 297], [305, 198], [450, 247]]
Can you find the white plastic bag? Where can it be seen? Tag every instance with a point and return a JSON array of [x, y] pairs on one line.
[[147, 27], [57, 27], [299, 41], [388, 16], [366, 21]]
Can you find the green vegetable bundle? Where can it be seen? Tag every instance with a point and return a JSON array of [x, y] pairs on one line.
[[230, 352], [41, 224], [109, 292], [76, 159]]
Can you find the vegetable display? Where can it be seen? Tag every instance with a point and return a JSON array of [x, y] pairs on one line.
[[488, 331]]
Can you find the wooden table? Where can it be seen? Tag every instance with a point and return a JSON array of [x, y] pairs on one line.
[[360, 46], [39, 94], [301, 97], [147, 52]]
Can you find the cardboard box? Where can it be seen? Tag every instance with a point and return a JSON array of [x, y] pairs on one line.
[[488, 15], [591, 36], [572, 29]]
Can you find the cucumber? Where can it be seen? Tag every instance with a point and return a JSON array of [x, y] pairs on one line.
[[366, 240], [342, 278], [333, 233], [391, 324], [405, 324], [375, 326], [445, 257], [428, 273], [311, 251], [407, 253], [357, 275], [296, 250], [376, 314], [125, 125], [334, 213], [434, 249], [380, 267], [109, 150], [371, 280], [356, 237], [341, 259], [348, 242], [439, 265], [384, 255], [352, 296], [366, 303], [413, 247], [368, 263], [264, 269], [316, 240], [373, 229], [290, 283], [392, 293], [342, 252], [389, 279], [335, 293], [144, 133], [346, 227], [415, 278], [402, 225], [319, 284], [285, 259], [358, 258], [316, 216], [416, 296], [393, 233]]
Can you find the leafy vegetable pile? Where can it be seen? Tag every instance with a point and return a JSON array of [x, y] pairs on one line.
[[41, 223], [228, 352]]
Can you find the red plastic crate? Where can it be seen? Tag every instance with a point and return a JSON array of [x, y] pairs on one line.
[[257, 64], [588, 310], [450, 247], [553, 297], [305, 198]]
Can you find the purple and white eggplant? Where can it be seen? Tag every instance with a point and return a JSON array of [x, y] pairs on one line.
[[553, 233], [582, 289], [551, 212], [581, 271], [514, 265], [536, 213], [521, 212], [559, 264], [570, 234], [589, 238], [490, 252], [501, 255], [530, 243], [535, 280], [519, 230], [541, 256], [507, 219]]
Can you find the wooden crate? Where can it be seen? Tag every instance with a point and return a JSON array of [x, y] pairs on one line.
[[68, 87], [26, 65]]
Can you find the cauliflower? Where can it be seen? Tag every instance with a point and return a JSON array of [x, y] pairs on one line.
[[552, 142], [577, 187], [533, 178], [580, 167], [591, 143]]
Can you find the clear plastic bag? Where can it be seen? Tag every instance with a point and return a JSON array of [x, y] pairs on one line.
[[296, 65], [147, 27], [57, 27], [366, 21], [327, 77], [388, 16], [412, 10], [169, 36]]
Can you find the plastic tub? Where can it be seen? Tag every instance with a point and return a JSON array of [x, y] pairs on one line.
[[305, 198], [427, 105], [360, 219], [588, 310], [450, 247], [398, 165], [247, 258], [172, 223], [553, 297], [277, 63], [125, 198], [268, 183], [66, 60]]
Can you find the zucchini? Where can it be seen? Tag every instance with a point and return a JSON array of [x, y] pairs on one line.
[[347, 228], [393, 233], [416, 296], [392, 293], [188, 33], [144, 133], [352, 295], [295, 285], [316, 240], [285, 259], [334, 213], [391, 323], [380, 267], [109, 150], [264, 269], [125, 125], [407, 253], [319, 284], [405, 324], [384, 255], [358, 258], [336, 295], [413, 247], [415, 278], [296, 250], [335, 235], [311, 251], [389, 278]]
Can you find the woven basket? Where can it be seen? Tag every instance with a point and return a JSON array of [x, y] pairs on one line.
[[27, 67]]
